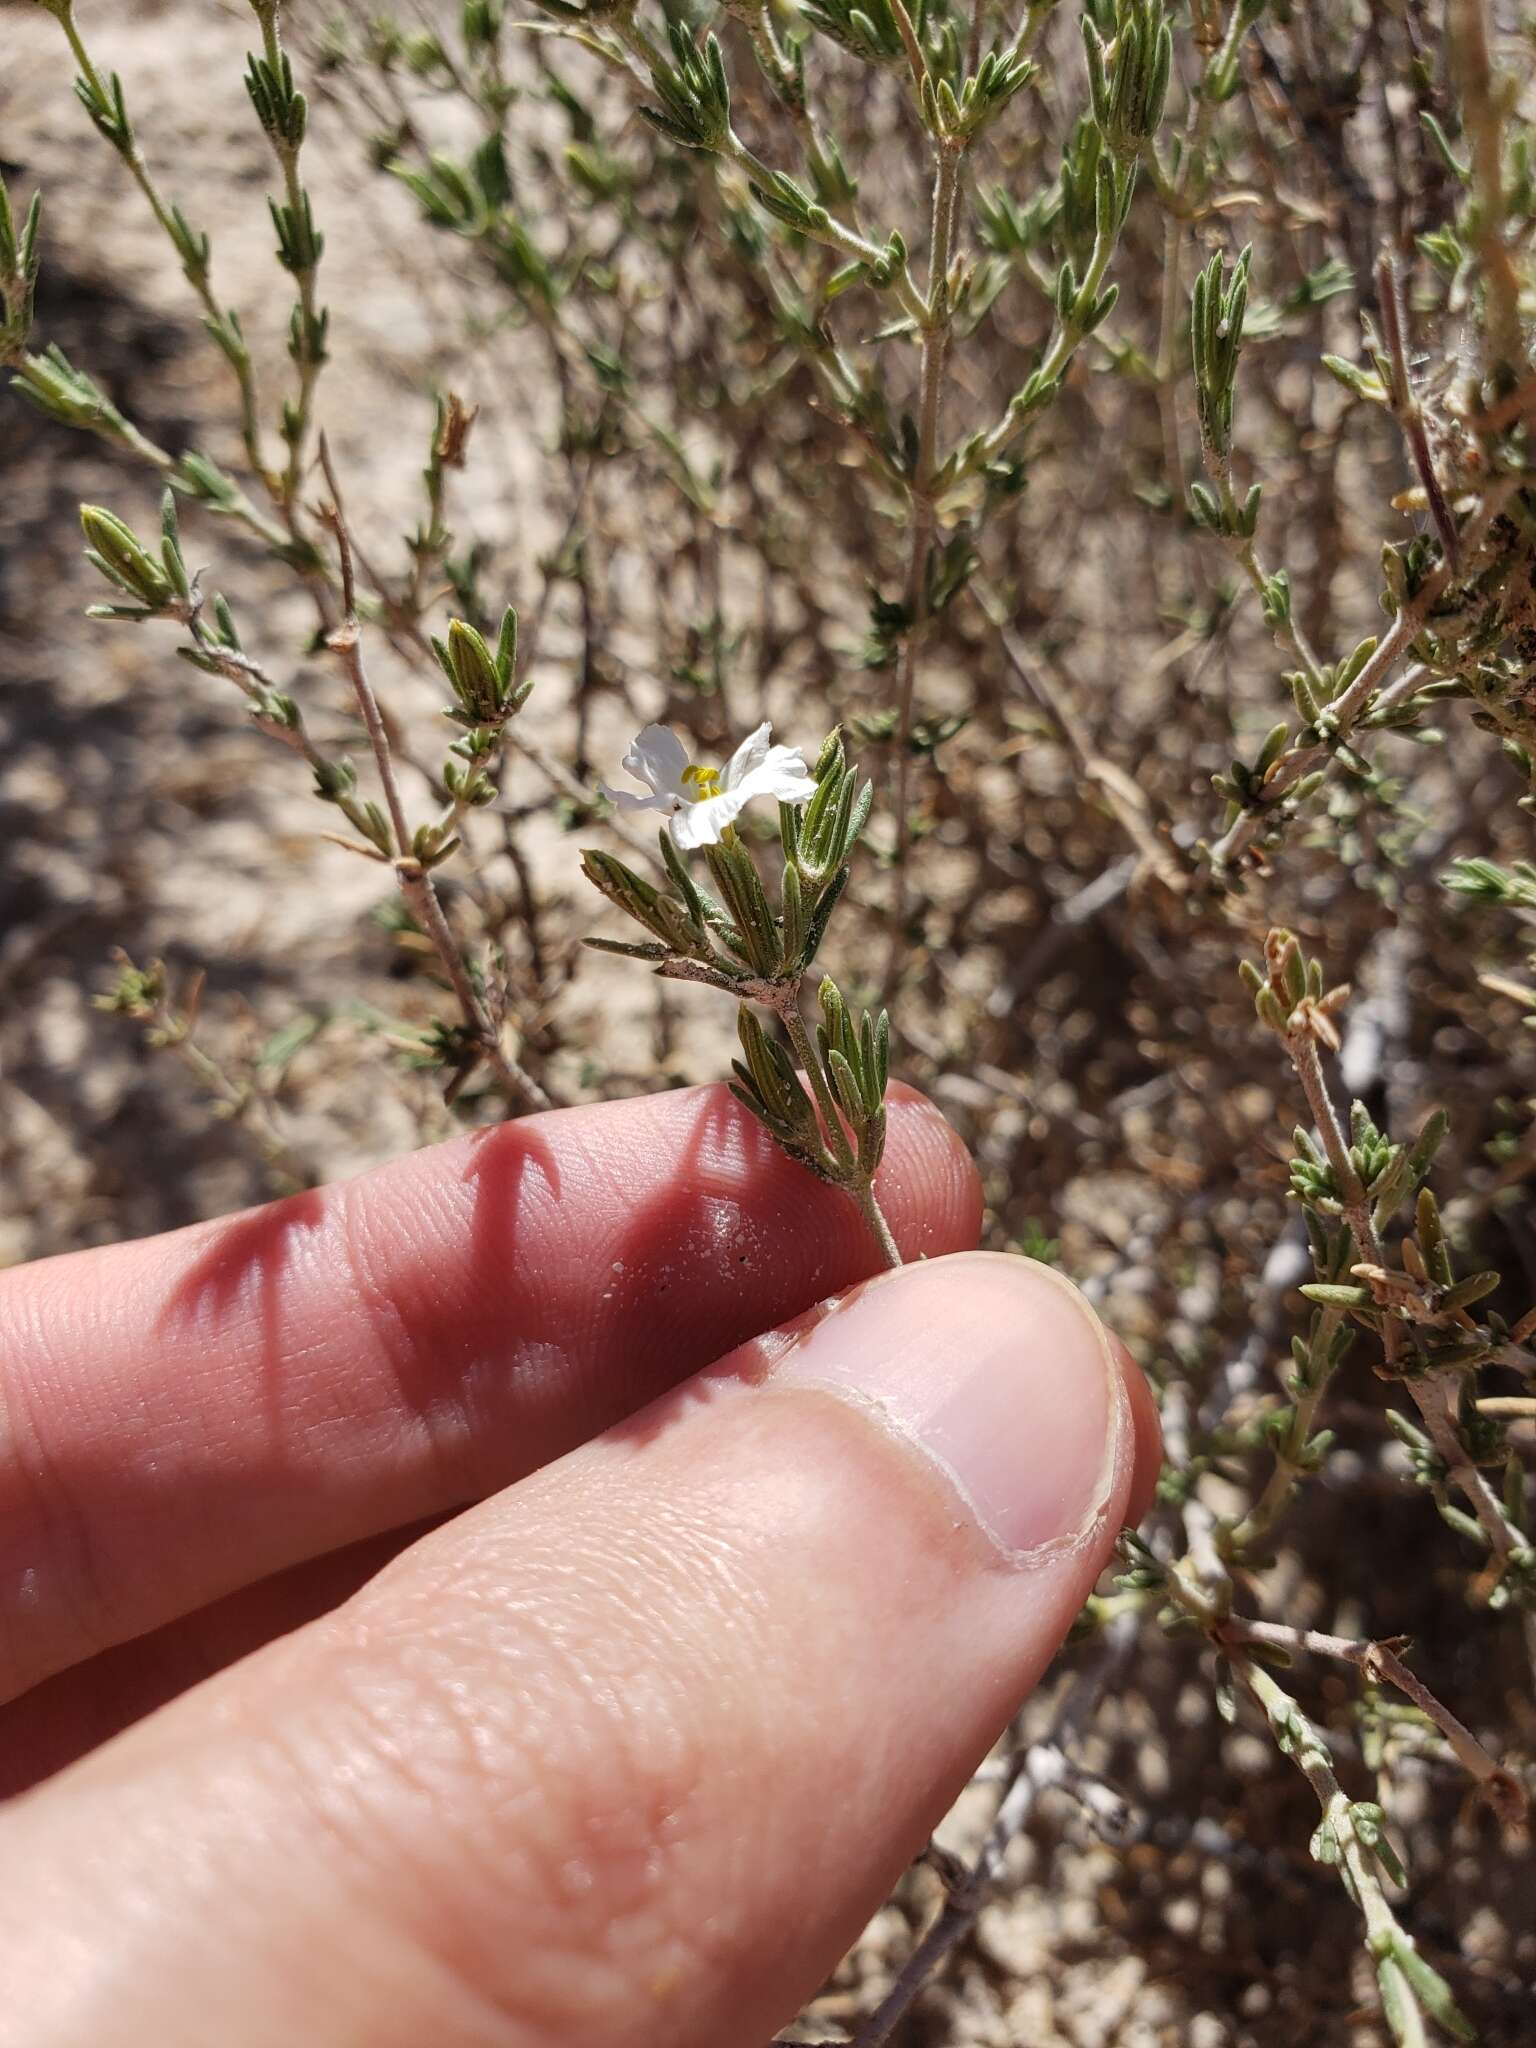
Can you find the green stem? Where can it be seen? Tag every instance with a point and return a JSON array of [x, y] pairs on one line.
[[308, 356], [1034, 20], [1065, 342], [836, 234], [197, 277], [636, 41], [1289, 634], [777, 67], [874, 1216], [923, 518], [1271, 1503]]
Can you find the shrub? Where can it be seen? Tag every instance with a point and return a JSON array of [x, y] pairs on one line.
[[1078, 411]]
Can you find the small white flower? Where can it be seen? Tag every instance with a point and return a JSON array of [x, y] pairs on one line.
[[702, 803]]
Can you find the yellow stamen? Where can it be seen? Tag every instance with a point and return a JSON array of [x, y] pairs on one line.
[[704, 781]]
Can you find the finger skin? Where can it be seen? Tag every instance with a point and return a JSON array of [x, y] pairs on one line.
[[181, 1417], [71, 1713], [1148, 1433], [624, 1756]]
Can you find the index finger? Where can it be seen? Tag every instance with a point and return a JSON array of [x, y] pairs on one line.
[[182, 1416]]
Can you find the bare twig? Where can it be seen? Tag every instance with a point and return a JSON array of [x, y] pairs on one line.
[[411, 874], [1381, 1664]]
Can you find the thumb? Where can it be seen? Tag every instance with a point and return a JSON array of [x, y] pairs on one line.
[[629, 1753]]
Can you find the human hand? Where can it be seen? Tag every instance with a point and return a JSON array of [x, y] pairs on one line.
[[626, 1753]]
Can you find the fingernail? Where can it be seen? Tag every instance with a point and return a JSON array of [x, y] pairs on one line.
[[997, 1372]]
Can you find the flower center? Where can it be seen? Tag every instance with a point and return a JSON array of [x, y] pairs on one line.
[[702, 781]]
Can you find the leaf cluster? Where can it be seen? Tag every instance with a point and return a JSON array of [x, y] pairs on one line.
[[1128, 75], [855, 1055], [695, 110], [20, 256]]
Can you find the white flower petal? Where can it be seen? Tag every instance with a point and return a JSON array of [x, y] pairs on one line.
[[627, 800], [657, 757], [752, 753], [781, 775], [702, 824]]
